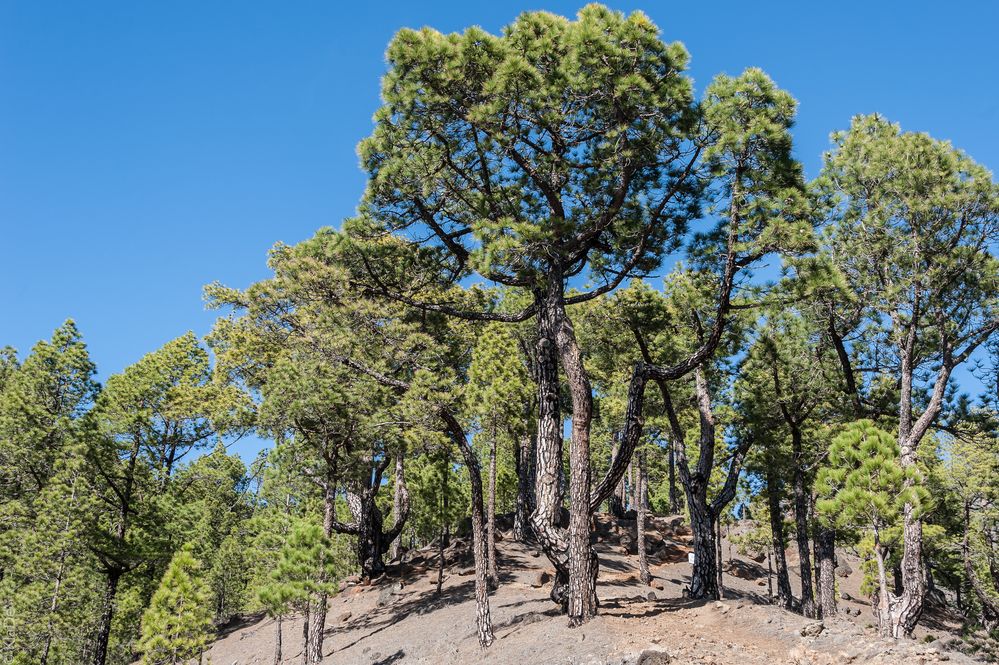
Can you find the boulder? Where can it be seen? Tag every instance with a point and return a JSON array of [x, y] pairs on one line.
[[652, 657], [813, 629], [542, 578], [843, 569]]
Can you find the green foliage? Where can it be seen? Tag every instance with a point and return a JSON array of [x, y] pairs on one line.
[[309, 563], [178, 623], [863, 486]]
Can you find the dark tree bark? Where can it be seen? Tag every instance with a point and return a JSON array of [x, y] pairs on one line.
[[825, 557], [801, 504], [306, 643], [548, 462], [483, 619], [784, 597], [107, 614], [582, 601], [718, 557], [277, 641]]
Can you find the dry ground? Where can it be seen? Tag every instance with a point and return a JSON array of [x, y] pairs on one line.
[[401, 619]]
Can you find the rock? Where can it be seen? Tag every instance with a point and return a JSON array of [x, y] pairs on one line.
[[813, 629], [652, 657], [344, 618], [384, 597], [845, 596], [657, 583], [465, 572], [651, 596], [352, 579], [843, 569], [542, 578], [535, 554]]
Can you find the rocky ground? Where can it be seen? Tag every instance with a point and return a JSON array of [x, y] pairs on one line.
[[401, 619]]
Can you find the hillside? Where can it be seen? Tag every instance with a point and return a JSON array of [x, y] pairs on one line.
[[401, 619]]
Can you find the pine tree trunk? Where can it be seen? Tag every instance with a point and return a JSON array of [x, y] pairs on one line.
[[521, 515], [397, 503], [317, 632], [491, 516], [277, 642], [801, 525], [643, 558], [306, 620], [483, 619], [546, 516], [107, 614], [784, 596], [704, 577], [582, 602], [718, 558], [825, 554], [882, 601]]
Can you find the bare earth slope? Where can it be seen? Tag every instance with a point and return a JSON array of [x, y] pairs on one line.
[[401, 619]]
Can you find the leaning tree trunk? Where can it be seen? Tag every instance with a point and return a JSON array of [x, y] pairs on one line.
[[801, 525], [491, 515], [484, 621], [643, 558], [784, 597]]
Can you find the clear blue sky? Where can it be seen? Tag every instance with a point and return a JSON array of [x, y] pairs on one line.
[[148, 148]]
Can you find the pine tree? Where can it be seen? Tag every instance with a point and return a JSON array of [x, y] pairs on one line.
[[864, 487], [178, 623]]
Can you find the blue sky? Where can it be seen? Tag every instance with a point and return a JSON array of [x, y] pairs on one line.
[[147, 149]]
